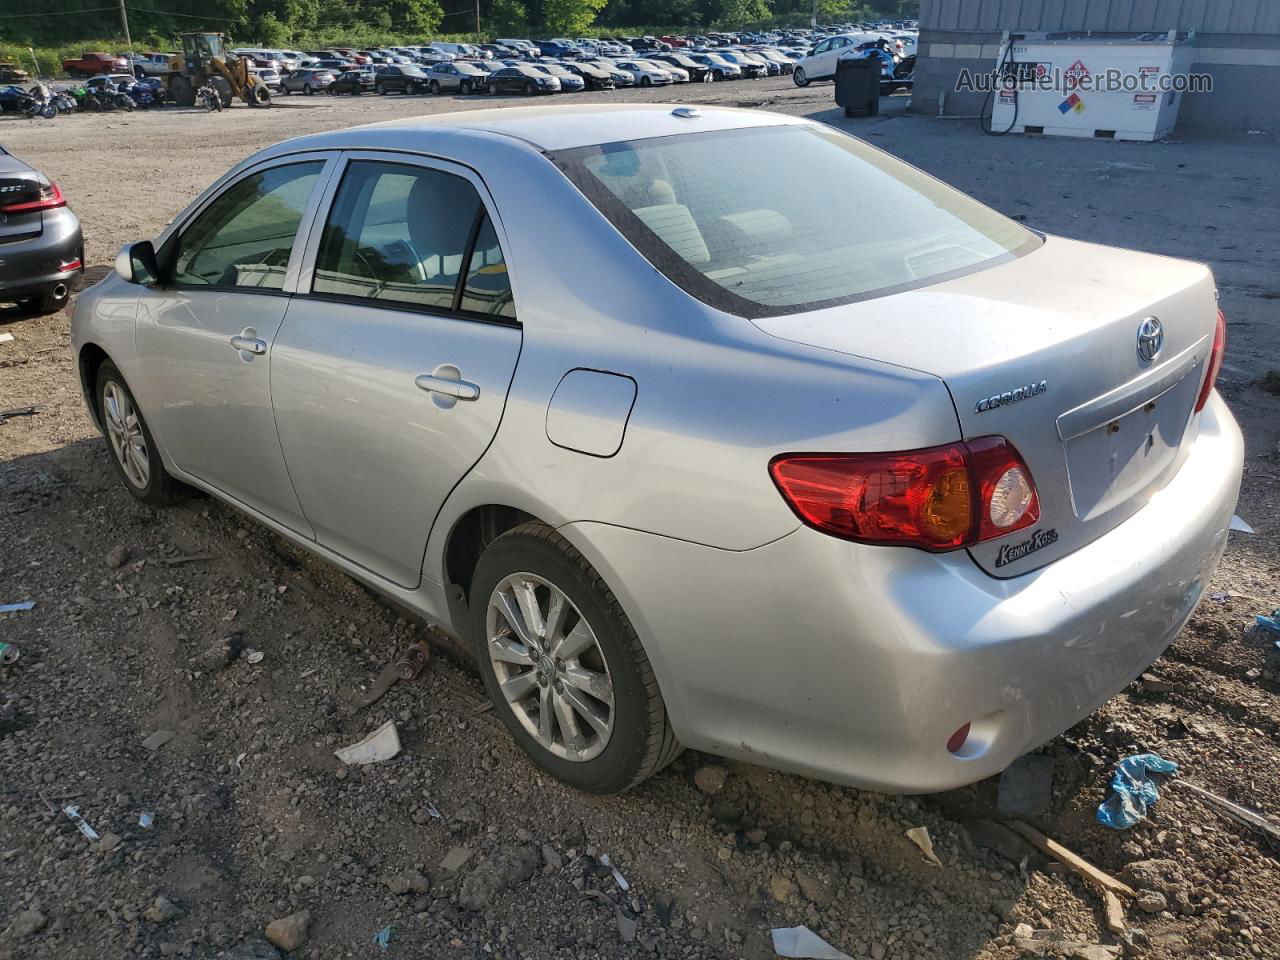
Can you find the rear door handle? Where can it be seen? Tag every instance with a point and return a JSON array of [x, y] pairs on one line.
[[249, 345], [458, 389]]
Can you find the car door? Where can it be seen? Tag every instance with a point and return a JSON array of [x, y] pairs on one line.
[[205, 334], [391, 371], [813, 63]]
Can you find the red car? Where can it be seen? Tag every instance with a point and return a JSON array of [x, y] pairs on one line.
[[94, 63], [352, 55], [676, 42]]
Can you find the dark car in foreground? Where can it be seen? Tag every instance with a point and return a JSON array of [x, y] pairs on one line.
[[698, 72], [401, 78], [41, 250], [522, 79], [596, 78], [354, 82]]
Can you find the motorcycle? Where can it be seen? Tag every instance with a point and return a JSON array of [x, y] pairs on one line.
[[209, 98], [65, 103]]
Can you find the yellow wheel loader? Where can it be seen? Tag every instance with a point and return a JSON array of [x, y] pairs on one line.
[[205, 59]]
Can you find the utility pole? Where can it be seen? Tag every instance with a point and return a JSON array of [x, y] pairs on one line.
[[477, 18], [124, 22]]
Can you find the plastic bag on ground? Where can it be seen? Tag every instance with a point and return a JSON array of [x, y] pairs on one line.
[[1133, 790]]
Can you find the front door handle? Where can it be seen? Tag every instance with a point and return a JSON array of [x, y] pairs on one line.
[[249, 345], [449, 387]]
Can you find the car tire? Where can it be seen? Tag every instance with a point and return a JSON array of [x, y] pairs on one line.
[[410, 89], [530, 87], [133, 450], [799, 77], [380, 90], [435, 88], [47, 304], [464, 88], [493, 89], [645, 81], [637, 740], [306, 88], [284, 90]]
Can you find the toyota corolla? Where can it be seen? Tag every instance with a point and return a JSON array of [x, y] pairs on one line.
[[609, 392]]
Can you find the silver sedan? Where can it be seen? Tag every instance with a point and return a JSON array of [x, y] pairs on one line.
[[684, 458]]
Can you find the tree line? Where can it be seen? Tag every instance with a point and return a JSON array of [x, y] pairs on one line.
[[154, 23]]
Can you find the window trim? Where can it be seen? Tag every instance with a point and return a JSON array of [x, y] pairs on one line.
[[306, 276], [167, 248]]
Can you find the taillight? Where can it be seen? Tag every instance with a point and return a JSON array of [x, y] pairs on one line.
[[1214, 366], [49, 198], [940, 498]]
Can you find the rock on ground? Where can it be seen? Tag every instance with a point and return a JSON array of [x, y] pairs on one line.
[[496, 873], [289, 933]]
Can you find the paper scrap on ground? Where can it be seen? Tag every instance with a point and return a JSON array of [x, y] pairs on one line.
[[11, 607], [803, 943], [5, 337], [1133, 790], [382, 744], [920, 837], [1238, 524], [88, 831], [383, 938]]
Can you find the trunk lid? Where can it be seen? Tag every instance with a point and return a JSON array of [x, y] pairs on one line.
[[19, 184], [1044, 350]]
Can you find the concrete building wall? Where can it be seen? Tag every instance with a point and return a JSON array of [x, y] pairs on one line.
[[1237, 43]]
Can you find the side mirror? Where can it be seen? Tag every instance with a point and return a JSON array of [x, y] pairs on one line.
[[136, 262]]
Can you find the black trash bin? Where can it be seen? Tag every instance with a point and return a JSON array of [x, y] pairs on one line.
[[858, 86]]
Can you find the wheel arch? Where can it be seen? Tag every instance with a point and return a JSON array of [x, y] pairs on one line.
[[89, 362], [468, 537]]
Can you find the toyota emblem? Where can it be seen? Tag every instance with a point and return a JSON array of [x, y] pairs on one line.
[[1150, 339]]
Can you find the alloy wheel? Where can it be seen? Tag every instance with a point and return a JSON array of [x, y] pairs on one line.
[[550, 667], [124, 428]]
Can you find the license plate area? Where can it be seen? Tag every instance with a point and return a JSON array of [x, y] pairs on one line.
[[1129, 455]]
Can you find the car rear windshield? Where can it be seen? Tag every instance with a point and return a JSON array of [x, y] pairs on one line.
[[782, 219]]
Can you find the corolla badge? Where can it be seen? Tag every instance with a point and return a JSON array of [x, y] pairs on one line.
[[1011, 396], [1150, 339]]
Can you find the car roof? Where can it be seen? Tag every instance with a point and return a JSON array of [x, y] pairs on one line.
[[550, 127]]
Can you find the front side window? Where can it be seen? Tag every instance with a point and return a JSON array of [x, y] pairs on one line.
[[781, 219], [245, 237], [401, 233]]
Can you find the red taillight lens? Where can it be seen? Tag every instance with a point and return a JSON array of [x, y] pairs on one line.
[[1214, 366], [939, 498], [49, 198]]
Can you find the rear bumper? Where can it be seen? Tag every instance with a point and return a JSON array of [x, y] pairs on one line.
[[34, 267], [855, 663]]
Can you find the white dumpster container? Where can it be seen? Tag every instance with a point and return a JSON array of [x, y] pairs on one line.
[[1079, 85]]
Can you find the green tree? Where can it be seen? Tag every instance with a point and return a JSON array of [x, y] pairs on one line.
[[570, 17], [273, 33], [508, 18], [740, 13]]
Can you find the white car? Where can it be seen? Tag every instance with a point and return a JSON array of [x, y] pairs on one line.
[[149, 64], [820, 64], [678, 74], [646, 74]]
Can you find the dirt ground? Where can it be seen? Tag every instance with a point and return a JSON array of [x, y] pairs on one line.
[[459, 845]]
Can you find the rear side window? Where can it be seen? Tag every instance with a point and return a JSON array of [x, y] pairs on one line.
[[245, 236], [405, 234], [783, 219], [487, 288]]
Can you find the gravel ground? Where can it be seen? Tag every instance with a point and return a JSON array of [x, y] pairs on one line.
[[459, 845]]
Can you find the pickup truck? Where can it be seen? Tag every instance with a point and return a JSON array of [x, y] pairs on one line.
[[90, 63], [148, 64]]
